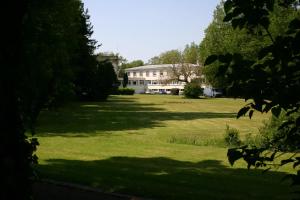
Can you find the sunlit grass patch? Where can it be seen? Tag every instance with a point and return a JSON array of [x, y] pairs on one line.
[[161, 147]]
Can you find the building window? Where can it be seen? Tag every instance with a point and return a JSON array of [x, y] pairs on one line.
[[141, 82], [129, 82], [154, 74], [147, 74], [154, 83], [128, 73], [161, 73], [134, 83], [134, 73], [141, 74]]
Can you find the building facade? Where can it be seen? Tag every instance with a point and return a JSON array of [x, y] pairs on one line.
[[153, 79]]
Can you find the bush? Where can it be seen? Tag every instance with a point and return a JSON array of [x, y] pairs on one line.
[[272, 137], [125, 91], [232, 137], [192, 90], [175, 91]]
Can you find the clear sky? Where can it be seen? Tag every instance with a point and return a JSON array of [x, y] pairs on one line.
[[141, 29]]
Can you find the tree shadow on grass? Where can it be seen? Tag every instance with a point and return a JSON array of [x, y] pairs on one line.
[[83, 119], [164, 178]]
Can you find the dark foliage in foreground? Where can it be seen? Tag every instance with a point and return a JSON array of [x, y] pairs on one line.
[[46, 58], [271, 81]]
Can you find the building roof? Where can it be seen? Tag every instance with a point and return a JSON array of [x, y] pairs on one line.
[[145, 67]]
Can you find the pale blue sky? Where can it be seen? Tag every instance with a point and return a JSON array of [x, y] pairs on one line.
[[141, 29]]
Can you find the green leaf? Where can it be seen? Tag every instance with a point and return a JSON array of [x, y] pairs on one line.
[[243, 111], [296, 164], [273, 155], [210, 59], [276, 111], [271, 158], [233, 155], [251, 113], [284, 162]]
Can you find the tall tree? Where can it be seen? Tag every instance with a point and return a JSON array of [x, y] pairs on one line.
[[170, 57], [84, 61], [154, 60], [191, 53], [104, 81], [125, 80], [37, 54]]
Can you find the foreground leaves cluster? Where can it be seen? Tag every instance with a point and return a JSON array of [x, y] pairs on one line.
[[270, 81]]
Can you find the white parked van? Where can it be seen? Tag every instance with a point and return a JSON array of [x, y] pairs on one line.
[[212, 92]]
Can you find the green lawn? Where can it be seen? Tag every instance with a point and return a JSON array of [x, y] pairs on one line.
[[161, 147]]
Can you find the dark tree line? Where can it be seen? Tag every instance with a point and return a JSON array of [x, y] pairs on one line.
[[46, 59]]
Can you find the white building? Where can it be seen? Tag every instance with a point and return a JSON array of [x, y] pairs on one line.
[[153, 79]]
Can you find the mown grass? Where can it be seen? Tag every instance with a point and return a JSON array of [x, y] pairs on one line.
[[161, 147]]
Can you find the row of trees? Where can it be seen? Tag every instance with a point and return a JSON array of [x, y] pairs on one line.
[[221, 37], [46, 59], [190, 54]]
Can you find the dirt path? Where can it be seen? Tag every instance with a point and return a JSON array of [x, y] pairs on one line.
[[52, 190]]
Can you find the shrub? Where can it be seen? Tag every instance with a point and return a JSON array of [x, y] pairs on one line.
[[125, 91], [253, 140], [232, 137], [175, 91], [195, 139], [273, 137], [192, 90]]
